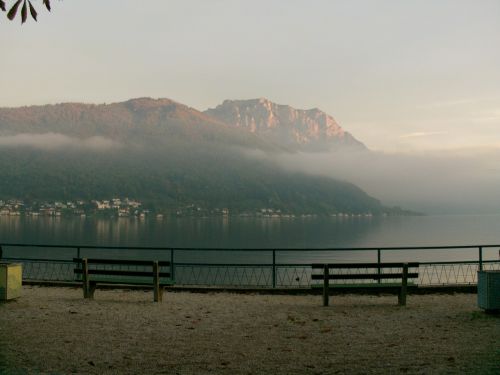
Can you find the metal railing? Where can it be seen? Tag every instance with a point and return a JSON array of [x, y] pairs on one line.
[[262, 268]]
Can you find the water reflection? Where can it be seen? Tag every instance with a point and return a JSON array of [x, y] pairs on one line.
[[234, 232]]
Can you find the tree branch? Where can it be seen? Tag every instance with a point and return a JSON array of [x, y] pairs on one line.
[[13, 9]]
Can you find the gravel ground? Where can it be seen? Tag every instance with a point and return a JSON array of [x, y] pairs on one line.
[[53, 330]]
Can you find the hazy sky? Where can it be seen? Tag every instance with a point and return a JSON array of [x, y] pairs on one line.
[[399, 75]]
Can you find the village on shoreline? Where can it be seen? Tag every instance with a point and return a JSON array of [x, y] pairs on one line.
[[133, 208]]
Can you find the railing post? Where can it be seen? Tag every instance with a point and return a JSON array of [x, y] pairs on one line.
[[172, 264], [78, 252], [480, 258], [274, 268], [1, 252], [379, 256]]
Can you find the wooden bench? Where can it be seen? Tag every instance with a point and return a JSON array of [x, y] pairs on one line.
[[124, 272], [370, 271]]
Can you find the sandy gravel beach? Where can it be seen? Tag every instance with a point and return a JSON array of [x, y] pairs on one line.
[[53, 330]]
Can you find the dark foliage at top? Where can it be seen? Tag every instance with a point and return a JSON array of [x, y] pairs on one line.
[[13, 11]]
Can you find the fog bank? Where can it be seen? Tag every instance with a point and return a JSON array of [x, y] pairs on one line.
[[440, 182], [57, 141]]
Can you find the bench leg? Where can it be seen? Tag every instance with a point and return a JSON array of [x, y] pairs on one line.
[[404, 285], [89, 289], [92, 288], [85, 278], [158, 290], [159, 295], [326, 285], [402, 297]]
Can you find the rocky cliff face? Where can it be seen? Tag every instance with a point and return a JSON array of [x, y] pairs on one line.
[[311, 129]]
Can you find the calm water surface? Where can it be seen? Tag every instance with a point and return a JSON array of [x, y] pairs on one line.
[[229, 232]]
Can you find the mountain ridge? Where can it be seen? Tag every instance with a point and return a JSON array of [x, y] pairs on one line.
[[303, 129], [133, 120], [283, 125]]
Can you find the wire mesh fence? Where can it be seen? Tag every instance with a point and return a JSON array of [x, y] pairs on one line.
[[46, 270], [259, 275], [453, 273]]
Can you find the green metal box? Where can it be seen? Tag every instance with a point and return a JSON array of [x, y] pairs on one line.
[[11, 275], [488, 290]]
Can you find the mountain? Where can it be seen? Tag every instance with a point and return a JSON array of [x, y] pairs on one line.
[[296, 129], [143, 119], [161, 152]]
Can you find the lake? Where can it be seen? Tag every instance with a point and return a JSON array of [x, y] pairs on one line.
[[268, 233]]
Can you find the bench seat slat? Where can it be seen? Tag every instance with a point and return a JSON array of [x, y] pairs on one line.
[[122, 273], [120, 281], [364, 265], [363, 276], [123, 262], [363, 285], [123, 279]]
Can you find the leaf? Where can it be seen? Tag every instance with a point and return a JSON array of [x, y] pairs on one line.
[[32, 11], [2, 5], [13, 11], [24, 12], [47, 4]]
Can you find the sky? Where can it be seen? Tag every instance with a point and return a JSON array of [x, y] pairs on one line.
[[401, 76]]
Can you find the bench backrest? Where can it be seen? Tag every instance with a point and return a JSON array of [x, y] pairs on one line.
[[122, 269], [371, 271]]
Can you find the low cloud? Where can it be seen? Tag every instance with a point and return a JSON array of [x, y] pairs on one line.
[[460, 102], [421, 134], [58, 141], [441, 182]]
